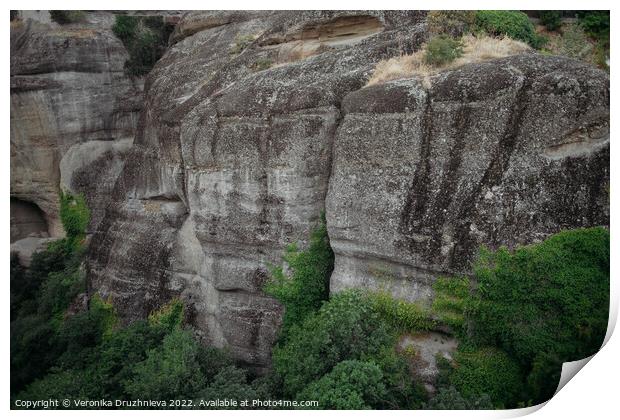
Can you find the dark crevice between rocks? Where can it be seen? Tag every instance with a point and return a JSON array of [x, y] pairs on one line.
[[465, 246], [439, 211], [412, 215]]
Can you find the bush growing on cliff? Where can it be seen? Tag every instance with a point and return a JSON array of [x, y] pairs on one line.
[[443, 49], [304, 286], [41, 294], [64, 17], [146, 39], [513, 24]]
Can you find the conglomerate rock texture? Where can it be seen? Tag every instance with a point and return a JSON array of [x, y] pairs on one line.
[[253, 123]]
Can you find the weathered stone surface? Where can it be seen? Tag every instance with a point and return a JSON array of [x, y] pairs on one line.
[[499, 153], [68, 88], [25, 247], [244, 155], [252, 123], [26, 219]]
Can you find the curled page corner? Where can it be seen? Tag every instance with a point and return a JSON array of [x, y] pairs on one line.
[[569, 370]]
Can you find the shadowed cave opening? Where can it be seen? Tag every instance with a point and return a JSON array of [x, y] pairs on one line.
[[26, 219]]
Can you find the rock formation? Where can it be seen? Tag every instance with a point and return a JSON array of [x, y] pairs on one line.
[[254, 122], [72, 109]]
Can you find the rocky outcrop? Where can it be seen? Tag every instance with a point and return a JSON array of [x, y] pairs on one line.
[[498, 154], [69, 95], [231, 163], [253, 123]]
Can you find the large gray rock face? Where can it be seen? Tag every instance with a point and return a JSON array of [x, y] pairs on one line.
[[499, 153], [68, 91], [254, 122], [231, 163]]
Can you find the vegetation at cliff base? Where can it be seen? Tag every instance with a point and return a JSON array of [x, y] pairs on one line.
[[65, 344], [146, 39], [544, 304], [518, 317]]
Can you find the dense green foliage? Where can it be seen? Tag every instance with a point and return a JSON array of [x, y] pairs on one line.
[[595, 23], [346, 328], [442, 49], [351, 385], [399, 315], [304, 285], [74, 215], [514, 24], [64, 17], [146, 39], [552, 19], [486, 372], [548, 299], [449, 398]]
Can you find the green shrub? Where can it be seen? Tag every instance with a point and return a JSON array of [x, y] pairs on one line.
[[307, 287], [403, 392], [171, 371], [351, 385], [550, 298], [454, 23], [169, 316], [74, 214], [442, 49], [346, 327], [575, 43], [487, 371], [400, 315], [229, 383], [40, 296], [449, 398], [514, 24], [552, 19], [125, 27], [451, 295], [63, 17], [595, 23], [146, 39]]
